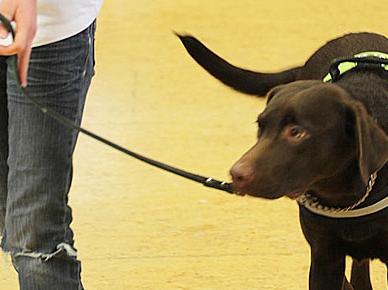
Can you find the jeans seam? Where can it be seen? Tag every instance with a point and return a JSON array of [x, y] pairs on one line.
[[77, 119]]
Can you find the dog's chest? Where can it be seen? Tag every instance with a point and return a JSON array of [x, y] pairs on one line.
[[365, 237]]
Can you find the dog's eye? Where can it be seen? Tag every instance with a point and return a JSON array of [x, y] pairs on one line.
[[295, 133]]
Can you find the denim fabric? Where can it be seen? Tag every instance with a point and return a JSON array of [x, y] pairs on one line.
[[36, 162]]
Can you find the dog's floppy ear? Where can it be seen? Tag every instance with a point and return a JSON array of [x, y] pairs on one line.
[[273, 92], [372, 142]]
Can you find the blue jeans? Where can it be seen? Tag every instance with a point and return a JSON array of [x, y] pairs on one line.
[[36, 162]]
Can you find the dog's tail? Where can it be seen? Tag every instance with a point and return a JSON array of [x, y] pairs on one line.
[[243, 80]]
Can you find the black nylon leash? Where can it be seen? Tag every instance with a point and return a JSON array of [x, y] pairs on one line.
[[206, 181]]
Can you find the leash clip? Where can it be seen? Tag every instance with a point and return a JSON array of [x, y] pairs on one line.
[[221, 185]]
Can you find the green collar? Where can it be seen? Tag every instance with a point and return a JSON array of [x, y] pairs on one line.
[[349, 64]]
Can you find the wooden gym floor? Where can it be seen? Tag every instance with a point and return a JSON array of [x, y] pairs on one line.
[[140, 228]]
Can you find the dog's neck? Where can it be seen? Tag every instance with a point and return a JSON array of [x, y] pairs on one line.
[[354, 84], [346, 187]]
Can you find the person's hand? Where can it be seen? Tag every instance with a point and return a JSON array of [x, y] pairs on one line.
[[23, 13]]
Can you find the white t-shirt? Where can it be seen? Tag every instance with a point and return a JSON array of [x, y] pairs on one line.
[[60, 19]]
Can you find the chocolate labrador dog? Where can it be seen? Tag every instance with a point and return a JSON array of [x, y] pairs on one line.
[[325, 144]]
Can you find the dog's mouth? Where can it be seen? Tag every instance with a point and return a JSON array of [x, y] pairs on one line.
[[294, 195], [239, 193], [273, 195]]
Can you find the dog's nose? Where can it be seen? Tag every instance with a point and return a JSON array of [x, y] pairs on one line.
[[242, 176]]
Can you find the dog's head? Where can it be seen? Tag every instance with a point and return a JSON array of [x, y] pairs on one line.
[[309, 131]]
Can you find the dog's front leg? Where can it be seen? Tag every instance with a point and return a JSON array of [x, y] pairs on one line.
[[327, 272], [360, 277]]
